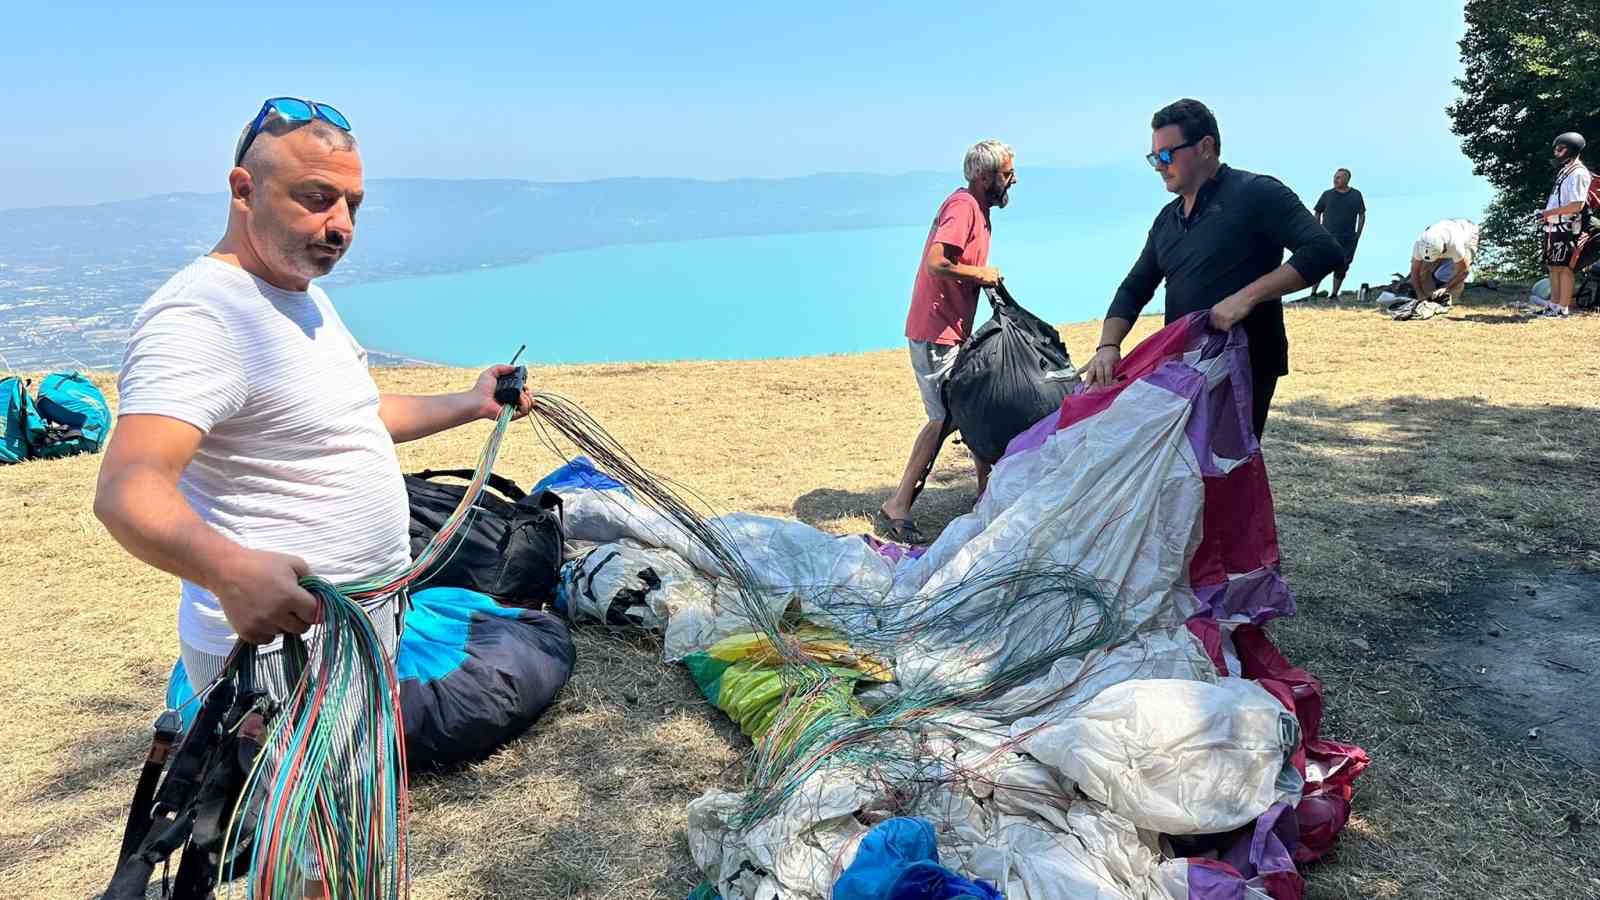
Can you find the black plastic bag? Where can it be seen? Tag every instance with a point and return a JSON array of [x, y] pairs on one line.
[[511, 548], [1012, 373]]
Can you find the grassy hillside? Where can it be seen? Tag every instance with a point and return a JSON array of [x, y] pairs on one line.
[[1413, 464]]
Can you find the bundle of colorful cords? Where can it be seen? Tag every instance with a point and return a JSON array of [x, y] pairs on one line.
[[327, 799]]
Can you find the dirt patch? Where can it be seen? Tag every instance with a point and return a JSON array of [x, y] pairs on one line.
[[1528, 665]]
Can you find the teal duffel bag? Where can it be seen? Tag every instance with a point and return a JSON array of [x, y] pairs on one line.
[[76, 414], [21, 429]]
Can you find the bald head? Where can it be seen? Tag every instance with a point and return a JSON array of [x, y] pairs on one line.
[[293, 203], [278, 135]]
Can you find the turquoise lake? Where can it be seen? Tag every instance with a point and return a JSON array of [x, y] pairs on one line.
[[783, 295]]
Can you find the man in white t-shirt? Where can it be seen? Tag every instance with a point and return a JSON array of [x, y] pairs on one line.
[[252, 446], [1562, 218], [1452, 243]]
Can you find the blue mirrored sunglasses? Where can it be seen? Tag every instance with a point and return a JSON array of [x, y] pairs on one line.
[[293, 110], [1163, 157]]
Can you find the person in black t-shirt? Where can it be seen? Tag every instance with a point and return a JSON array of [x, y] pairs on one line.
[[1219, 246], [1343, 211]]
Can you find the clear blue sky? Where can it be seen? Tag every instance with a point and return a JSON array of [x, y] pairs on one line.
[[111, 101]]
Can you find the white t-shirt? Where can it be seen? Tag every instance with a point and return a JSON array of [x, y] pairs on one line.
[[1459, 236], [1572, 188], [294, 458]]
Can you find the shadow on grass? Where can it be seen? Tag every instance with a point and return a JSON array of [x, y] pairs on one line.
[[1478, 319], [590, 802], [1400, 519], [106, 758], [1505, 482], [823, 507]]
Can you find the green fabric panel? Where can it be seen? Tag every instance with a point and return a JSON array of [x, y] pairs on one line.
[[705, 890], [707, 671]]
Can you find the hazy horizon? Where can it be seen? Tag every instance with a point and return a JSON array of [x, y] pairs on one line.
[[1448, 181], [639, 90]]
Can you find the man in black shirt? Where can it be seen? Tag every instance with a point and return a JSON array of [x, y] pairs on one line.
[[1342, 211], [1219, 246]]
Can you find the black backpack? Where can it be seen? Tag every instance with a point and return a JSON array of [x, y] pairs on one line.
[[509, 548], [1011, 374]]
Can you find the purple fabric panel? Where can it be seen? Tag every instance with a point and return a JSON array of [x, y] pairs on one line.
[[1261, 595], [1186, 381], [1234, 437], [891, 551], [1228, 405], [1175, 376], [1034, 436], [1207, 883], [1269, 847], [1204, 338], [1202, 429], [1221, 423]]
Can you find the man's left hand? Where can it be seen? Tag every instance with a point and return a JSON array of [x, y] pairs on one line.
[[483, 392], [1230, 312]]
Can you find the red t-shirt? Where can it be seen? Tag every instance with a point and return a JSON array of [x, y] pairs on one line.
[[942, 309]]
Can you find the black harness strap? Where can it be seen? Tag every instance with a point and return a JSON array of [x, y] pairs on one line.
[[167, 729], [505, 486], [192, 805]]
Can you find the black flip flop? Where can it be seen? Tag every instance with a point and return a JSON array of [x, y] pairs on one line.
[[902, 531]]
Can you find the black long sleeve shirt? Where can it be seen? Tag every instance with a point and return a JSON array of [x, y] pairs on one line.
[[1240, 225]]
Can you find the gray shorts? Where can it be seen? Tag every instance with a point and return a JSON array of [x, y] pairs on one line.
[[932, 363], [388, 618]]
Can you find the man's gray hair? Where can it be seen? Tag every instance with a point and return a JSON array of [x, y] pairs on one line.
[[277, 126], [985, 158]]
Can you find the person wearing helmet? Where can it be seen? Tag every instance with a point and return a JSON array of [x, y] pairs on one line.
[[1446, 246], [1562, 219]]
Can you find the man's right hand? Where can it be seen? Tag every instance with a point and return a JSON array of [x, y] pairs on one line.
[[988, 276], [261, 596], [1101, 370]]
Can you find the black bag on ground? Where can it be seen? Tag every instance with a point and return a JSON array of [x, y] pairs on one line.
[[1011, 374], [510, 546], [1586, 294]]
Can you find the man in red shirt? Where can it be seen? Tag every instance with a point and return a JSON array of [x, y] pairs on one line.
[[944, 302]]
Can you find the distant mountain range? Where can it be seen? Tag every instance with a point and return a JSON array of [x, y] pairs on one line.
[[71, 278]]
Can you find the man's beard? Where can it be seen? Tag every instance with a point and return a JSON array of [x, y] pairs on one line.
[[999, 196], [303, 258]]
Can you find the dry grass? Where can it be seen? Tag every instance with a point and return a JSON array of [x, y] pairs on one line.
[[1408, 460]]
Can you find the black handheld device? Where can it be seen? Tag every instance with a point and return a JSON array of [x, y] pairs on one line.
[[508, 388]]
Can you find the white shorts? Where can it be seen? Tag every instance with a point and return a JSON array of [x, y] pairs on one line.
[[932, 364]]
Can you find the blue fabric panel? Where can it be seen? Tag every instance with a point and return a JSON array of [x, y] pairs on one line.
[[899, 860], [580, 472], [434, 643], [474, 674], [179, 693]]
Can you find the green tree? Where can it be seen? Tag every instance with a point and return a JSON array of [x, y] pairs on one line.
[[1532, 72]]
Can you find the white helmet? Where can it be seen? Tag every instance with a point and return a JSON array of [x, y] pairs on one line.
[[1429, 247]]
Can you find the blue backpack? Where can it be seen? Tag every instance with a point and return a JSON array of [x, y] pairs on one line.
[[20, 426], [76, 415]]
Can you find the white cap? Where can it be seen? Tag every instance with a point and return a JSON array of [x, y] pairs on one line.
[[1430, 246]]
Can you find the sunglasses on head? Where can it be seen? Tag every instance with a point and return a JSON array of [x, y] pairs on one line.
[[290, 109], [1163, 157]]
